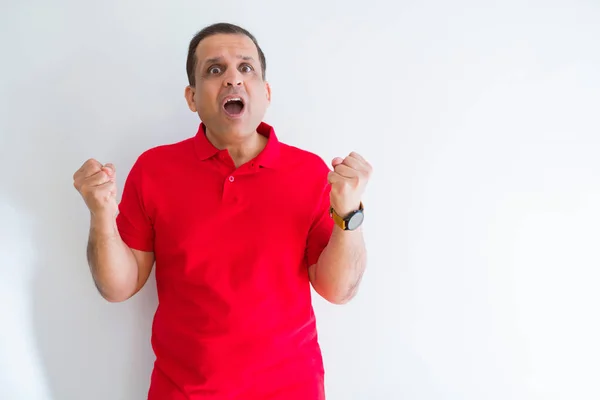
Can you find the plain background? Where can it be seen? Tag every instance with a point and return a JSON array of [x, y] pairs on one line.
[[481, 120]]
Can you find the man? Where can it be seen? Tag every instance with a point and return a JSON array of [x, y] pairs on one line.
[[239, 225]]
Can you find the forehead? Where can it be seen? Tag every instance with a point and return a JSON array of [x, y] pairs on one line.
[[226, 46]]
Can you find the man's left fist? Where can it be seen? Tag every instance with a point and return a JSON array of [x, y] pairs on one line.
[[348, 181]]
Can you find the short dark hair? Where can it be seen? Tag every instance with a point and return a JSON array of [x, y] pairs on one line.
[[215, 29]]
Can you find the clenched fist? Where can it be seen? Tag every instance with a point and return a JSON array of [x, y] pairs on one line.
[[348, 181], [97, 185]]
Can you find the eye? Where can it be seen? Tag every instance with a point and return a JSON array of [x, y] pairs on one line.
[[247, 68], [214, 70]]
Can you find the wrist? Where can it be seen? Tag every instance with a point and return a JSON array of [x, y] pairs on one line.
[[103, 224], [345, 210], [347, 220]]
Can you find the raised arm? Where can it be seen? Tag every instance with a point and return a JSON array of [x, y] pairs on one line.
[[118, 271], [337, 272]]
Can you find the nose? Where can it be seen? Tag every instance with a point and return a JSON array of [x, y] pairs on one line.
[[233, 78]]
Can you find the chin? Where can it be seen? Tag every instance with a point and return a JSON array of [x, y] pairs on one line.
[[223, 124]]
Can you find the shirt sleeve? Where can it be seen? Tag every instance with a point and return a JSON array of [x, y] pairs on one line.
[[133, 222], [322, 224]]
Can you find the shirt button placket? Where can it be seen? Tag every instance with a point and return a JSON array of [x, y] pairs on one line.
[[229, 190]]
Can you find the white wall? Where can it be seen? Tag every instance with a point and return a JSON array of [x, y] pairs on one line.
[[483, 216]]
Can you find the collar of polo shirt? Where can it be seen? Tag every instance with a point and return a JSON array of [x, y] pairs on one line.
[[268, 157]]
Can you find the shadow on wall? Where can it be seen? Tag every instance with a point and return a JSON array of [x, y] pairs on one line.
[[60, 340], [19, 358]]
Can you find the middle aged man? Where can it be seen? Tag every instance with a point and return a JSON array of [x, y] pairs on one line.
[[239, 225]]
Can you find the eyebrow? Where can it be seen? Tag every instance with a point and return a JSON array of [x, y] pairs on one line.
[[219, 59]]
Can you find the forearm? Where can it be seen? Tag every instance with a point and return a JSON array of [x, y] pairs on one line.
[[112, 263], [341, 266]]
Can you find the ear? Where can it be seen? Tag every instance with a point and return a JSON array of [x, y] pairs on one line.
[[189, 97], [268, 91]]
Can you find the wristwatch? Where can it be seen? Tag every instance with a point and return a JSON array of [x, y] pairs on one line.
[[351, 221]]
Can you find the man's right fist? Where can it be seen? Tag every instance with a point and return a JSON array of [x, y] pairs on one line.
[[97, 185]]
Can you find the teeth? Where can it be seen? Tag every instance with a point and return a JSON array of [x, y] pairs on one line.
[[233, 99]]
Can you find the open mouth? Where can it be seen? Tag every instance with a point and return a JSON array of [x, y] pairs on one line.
[[234, 106]]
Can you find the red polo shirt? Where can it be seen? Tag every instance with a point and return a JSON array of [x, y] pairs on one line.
[[232, 248]]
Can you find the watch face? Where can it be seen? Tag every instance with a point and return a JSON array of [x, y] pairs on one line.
[[355, 221]]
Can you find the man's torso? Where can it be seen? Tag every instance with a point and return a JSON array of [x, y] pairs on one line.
[[235, 315]]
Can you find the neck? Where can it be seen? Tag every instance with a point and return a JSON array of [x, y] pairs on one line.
[[241, 148]]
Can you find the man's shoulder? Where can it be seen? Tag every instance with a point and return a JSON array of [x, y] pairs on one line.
[[297, 155], [160, 160], [165, 152]]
